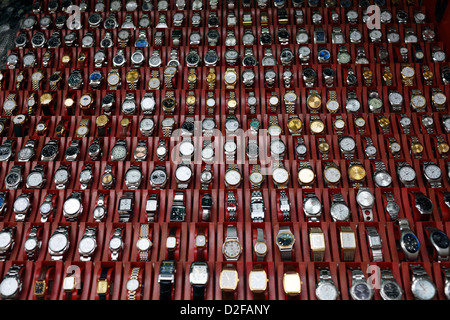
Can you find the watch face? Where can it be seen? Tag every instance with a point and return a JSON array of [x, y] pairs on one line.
[[231, 125], [12, 178], [312, 206], [118, 152], [383, 179], [326, 291], [183, 173], [34, 180], [353, 105], [233, 177], [411, 243], [115, 243], [144, 244], [306, 176], [230, 77], [75, 79], [5, 239], [433, 172], [87, 245], [158, 177], [192, 58], [30, 244], [361, 291], [198, 274], [390, 290], [285, 239], [9, 286], [58, 242], [277, 147], [332, 175], [340, 211], [46, 207], [72, 206], [133, 285], [61, 175], [347, 144], [232, 249], [365, 198], [423, 289], [440, 239], [125, 204], [133, 176], [344, 58]]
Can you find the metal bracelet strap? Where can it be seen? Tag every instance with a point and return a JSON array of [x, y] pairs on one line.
[[358, 275], [324, 154], [231, 210], [290, 107], [325, 275], [418, 272], [131, 295], [390, 199], [286, 213], [388, 80], [428, 82], [405, 129], [11, 97]]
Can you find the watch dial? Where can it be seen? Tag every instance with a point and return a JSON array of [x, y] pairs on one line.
[[5, 239], [115, 243], [326, 291], [280, 175], [411, 243], [9, 286], [72, 206], [34, 179], [45, 208], [61, 175], [183, 173], [285, 239], [133, 176], [362, 291], [433, 172], [332, 175], [118, 153], [424, 203], [99, 213], [58, 242], [365, 199], [87, 245], [340, 211], [30, 244], [12, 178], [132, 285], [424, 289], [158, 177], [233, 177], [125, 204], [198, 274], [232, 249], [440, 239], [347, 144]]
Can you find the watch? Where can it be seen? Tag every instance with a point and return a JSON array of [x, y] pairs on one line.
[[231, 206], [312, 207], [360, 289], [88, 244], [206, 204], [116, 244], [144, 243], [339, 209], [62, 176], [305, 175], [134, 285], [94, 150], [285, 240], [433, 174], [133, 177], [33, 243], [141, 151], [389, 287], [347, 146], [292, 283], [183, 175], [231, 247], [375, 244], [409, 243], [356, 173], [422, 286], [73, 206], [119, 151], [100, 211], [126, 206], [11, 285], [381, 177], [317, 243], [7, 242], [14, 177], [158, 177], [347, 239], [257, 208], [198, 278], [440, 242], [59, 243], [332, 175], [228, 281], [178, 208], [326, 288], [260, 246]]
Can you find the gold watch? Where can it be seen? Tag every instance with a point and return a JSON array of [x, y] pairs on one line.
[[314, 101], [305, 175], [294, 125], [408, 73], [316, 125], [230, 78], [210, 78], [356, 173], [83, 129]]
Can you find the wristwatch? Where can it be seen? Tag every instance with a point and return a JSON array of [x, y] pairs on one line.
[[133, 177], [11, 285], [7, 242], [178, 208], [326, 288], [126, 206], [312, 207], [231, 247], [134, 285], [206, 203], [257, 208], [88, 244], [375, 244], [158, 177], [144, 243], [347, 239], [260, 246], [360, 289], [59, 243], [116, 244], [356, 173], [228, 281], [347, 146], [33, 243], [285, 240], [409, 243], [433, 174], [305, 175], [339, 209], [381, 177], [422, 286], [198, 278], [440, 242], [14, 177], [183, 175], [62, 176], [151, 207], [3, 203]]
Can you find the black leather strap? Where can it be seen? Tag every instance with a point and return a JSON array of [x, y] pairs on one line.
[[18, 130], [198, 291], [165, 290]]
